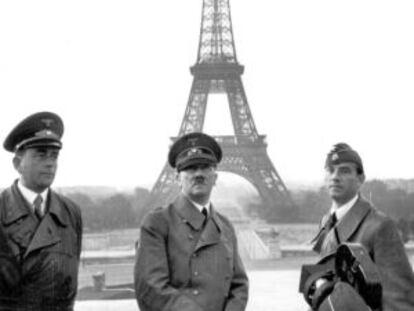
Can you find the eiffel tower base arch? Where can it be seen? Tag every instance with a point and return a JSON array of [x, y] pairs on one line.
[[244, 159]]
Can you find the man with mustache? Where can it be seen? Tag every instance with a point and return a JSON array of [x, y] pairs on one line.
[[353, 219], [40, 230], [187, 257]]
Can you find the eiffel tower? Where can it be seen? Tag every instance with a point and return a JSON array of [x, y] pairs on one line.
[[218, 71]]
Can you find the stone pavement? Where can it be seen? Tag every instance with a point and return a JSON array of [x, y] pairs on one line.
[[270, 290]]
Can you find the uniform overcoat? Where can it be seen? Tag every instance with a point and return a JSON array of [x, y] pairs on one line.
[[364, 224], [185, 265], [40, 258]]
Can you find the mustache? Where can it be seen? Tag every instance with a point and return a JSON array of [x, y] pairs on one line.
[[199, 180]]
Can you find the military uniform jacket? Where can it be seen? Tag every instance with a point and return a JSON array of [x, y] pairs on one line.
[[182, 265], [39, 260], [379, 235]]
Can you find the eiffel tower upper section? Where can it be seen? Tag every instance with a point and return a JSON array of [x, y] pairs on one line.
[[216, 44], [218, 71]]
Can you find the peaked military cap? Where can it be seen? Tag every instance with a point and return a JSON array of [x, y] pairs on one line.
[[42, 129], [194, 148], [341, 153]]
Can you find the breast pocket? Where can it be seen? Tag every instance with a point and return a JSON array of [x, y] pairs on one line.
[[64, 254], [67, 244]]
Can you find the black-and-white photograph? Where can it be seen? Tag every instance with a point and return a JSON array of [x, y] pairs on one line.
[[206, 155]]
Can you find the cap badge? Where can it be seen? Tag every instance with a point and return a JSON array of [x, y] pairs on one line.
[[335, 157], [192, 141], [194, 151], [47, 122]]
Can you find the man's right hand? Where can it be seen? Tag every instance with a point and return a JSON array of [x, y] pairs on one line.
[[323, 288]]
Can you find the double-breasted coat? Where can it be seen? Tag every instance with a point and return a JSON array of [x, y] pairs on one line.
[[364, 224], [39, 259], [185, 265]]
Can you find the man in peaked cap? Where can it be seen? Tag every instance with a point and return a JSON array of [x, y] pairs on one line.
[[353, 219], [40, 230], [187, 258]]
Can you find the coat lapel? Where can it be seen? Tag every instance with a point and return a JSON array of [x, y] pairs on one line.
[[351, 221], [211, 234], [17, 208], [56, 209], [47, 233], [321, 235], [344, 229], [188, 212], [20, 219]]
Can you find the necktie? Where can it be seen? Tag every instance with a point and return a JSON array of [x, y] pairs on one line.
[[37, 204], [204, 212], [331, 222], [320, 237]]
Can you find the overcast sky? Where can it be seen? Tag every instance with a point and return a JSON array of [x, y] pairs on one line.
[[316, 73]]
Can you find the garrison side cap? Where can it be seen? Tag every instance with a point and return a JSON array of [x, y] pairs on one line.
[[342, 152], [194, 148], [41, 129]]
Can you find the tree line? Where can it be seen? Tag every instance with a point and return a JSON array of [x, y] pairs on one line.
[[396, 202], [117, 211], [122, 210]]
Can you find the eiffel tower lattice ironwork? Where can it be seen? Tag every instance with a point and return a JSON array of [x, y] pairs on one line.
[[218, 71]]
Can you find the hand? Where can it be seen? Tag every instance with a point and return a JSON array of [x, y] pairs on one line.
[[323, 288]]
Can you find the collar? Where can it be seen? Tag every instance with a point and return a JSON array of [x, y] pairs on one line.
[[352, 219], [30, 195], [16, 207], [190, 214], [340, 211], [199, 206]]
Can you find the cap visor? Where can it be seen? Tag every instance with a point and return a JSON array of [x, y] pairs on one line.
[[43, 143], [195, 161]]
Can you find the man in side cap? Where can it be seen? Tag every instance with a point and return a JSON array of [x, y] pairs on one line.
[[187, 258], [40, 230], [353, 219]]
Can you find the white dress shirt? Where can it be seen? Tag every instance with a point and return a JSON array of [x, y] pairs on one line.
[[200, 207], [340, 211], [30, 195]]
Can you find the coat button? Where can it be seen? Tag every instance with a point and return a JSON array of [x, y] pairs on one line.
[[190, 236], [195, 292], [194, 255], [195, 273]]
